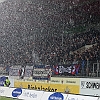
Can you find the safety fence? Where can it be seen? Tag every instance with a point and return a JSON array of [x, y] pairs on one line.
[[26, 94]]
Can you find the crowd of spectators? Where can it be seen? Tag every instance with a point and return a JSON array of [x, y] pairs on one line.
[[56, 49], [25, 43]]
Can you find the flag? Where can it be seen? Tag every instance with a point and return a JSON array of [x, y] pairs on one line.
[[73, 70], [77, 68], [56, 70]]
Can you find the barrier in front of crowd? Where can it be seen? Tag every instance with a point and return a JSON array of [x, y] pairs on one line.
[[64, 85], [26, 94], [84, 86]]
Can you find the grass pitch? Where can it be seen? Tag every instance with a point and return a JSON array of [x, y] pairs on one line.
[[5, 98]]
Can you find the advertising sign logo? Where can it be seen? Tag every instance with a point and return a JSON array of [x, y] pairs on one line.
[[17, 92], [56, 96], [2, 80], [29, 94], [90, 85]]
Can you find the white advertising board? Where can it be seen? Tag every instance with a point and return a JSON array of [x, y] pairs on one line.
[[90, 86], [53, 96], [80, 97], [26, 94], [4, 91], [31, 94]]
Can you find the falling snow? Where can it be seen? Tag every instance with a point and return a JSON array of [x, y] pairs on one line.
[[39, 31]]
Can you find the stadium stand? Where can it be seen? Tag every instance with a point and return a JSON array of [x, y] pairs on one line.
[[51, 33]]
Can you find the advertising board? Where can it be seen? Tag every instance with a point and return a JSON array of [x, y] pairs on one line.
[[3, 78], [10, 92], [27, 94], [80, 97], [3, 91], [90, 86], [21, 93], [53, 96], [68, 85], [60, 80]]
